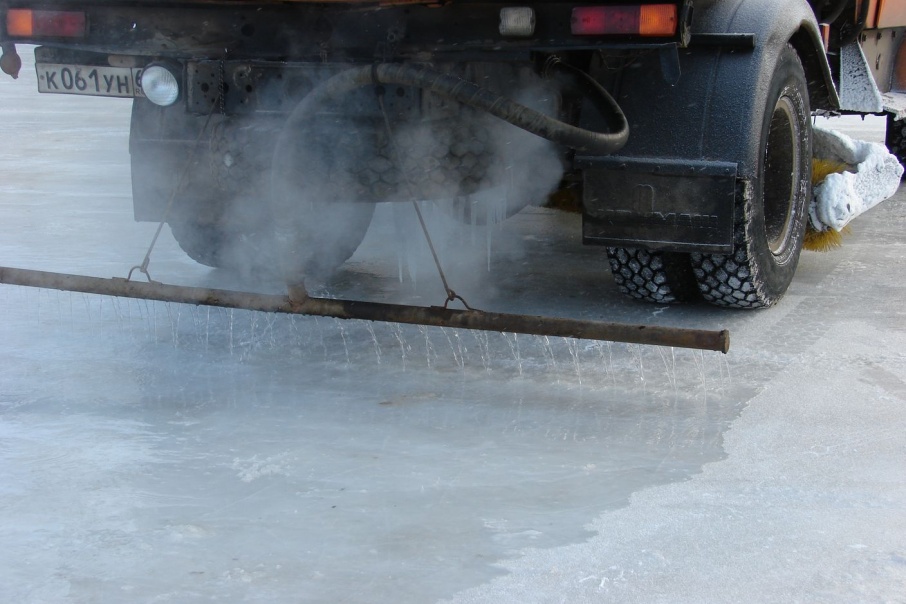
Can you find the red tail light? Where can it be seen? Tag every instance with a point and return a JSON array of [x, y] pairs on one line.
[[25, 23], [646, 20]]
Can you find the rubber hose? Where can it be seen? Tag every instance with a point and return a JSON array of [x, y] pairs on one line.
[[467, 93]]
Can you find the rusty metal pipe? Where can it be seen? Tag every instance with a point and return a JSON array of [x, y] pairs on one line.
[[302, 304]]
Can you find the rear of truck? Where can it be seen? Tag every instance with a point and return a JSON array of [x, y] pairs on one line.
[[265, 133]]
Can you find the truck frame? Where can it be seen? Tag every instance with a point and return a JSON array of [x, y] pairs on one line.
[[264, 133]]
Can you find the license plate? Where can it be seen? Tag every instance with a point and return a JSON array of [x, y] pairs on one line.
[[89, 80]]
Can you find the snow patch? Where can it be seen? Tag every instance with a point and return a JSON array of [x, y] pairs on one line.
[[858, 91], [242, 575], [254, 468], [182, 532], [874, 175]]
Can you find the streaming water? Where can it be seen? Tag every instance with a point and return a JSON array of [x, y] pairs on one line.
[[320, 331], [549, 352], [514, 349], [87, 301], [726, 365], [231, 331], [429, 347], [636, 350], [573, 347], [342, 331], [174, 313], [482, 339], [456, 357], [374, 341], [669, 364], [207, 328], [398, 334]]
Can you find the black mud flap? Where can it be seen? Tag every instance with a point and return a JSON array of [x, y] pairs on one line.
[[669, 205]]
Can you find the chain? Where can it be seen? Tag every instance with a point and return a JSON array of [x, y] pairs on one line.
[[398, 159]]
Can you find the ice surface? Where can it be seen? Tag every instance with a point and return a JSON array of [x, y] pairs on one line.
[[155, 452]]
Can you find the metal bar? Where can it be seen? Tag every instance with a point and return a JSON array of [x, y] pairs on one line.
[[302, 304]]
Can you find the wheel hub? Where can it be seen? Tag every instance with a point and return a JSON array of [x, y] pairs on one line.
[[781, 177]]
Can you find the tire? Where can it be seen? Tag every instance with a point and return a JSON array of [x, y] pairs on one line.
[[254, 251], [318, 208], [896, 138], [657, 277], [231, 220], [771, 214], [203, 243]]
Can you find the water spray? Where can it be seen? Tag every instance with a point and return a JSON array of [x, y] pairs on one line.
[[297, 300]]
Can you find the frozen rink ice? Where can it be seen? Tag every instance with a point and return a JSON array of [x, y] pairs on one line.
[[158, 451], [154, 452]]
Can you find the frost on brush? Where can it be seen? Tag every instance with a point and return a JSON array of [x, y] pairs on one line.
[[872, 175]]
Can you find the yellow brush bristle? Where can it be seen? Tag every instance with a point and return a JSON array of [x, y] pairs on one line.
[[824, 241], [822, 168]]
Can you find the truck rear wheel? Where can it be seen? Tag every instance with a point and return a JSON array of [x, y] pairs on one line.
[[771, 214], [658, 277], [244, 249], [253, 194], [203, 243], [290, 233], [318, 207]]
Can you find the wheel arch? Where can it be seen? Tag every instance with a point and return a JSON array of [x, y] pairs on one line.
[[821, 87], [775, 24], [716, 109]]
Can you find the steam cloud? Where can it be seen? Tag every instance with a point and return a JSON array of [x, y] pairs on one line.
[[469, 171]]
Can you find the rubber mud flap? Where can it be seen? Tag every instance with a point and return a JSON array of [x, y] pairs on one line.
[[666, 205]]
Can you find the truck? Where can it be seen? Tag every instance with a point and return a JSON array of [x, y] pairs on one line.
[[264, 133]]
